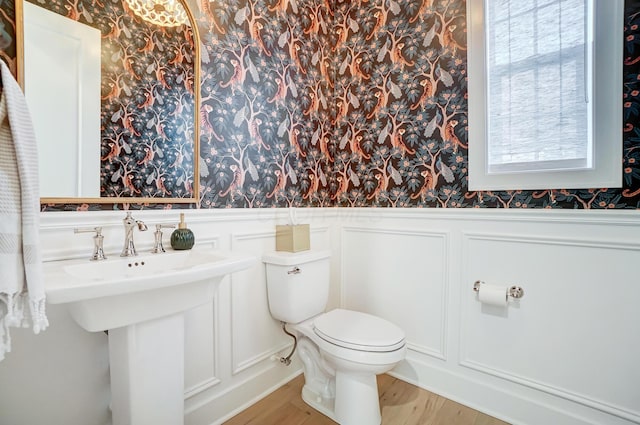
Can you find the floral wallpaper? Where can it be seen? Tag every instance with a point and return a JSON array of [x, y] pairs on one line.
[[148, 106], [267, 103], [147, 125], [358, 103]]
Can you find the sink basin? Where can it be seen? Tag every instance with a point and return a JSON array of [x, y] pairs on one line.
[[119, 291], [141, 301]]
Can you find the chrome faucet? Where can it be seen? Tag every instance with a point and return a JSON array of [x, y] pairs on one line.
[[129, 249]]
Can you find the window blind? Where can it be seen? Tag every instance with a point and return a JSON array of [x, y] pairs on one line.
[[538, 78]]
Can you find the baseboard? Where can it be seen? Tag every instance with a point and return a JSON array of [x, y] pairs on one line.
[[238, 392], [517, 407]]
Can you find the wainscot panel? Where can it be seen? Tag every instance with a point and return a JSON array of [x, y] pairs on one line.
[[565, 355], [572, 318], [401, 275]]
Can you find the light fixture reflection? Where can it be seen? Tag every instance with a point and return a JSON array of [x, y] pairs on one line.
[[166, 13]]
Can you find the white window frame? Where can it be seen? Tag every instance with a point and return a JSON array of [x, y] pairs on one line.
[[606, 92]]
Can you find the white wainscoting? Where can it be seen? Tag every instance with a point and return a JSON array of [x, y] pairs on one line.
[[200, 345], [561, 328], [567, 353], [254, 336], [401, 274]]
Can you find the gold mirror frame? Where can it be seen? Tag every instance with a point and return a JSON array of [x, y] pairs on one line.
[[19, 10]]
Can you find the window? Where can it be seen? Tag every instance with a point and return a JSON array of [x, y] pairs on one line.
[[545, 94]]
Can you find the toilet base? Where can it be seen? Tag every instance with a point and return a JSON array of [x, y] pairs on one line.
[[324, 405], [356, 401], [347, 398]]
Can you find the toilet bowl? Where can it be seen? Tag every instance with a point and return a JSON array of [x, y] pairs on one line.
[[348, 356], [341, 350]]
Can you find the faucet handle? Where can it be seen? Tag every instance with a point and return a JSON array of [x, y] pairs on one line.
[[98, 239], [157, 246], [165, 226]]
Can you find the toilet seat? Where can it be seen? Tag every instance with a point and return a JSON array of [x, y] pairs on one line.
[[358, 331]]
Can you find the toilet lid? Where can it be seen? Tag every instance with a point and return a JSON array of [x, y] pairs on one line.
[[358, 331]]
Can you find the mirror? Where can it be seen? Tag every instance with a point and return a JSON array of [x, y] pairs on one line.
[[114, 100]]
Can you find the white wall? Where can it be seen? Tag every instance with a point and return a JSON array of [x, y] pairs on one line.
[[566, 354]]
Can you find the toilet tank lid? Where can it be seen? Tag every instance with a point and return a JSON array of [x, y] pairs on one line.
[[282, 258]]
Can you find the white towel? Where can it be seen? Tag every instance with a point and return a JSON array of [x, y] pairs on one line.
[[21, 280]]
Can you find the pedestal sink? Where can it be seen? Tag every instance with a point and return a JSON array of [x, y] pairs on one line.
[[140, 301]]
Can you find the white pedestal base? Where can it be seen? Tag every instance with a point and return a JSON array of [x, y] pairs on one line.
[[357, 400], [147, 372]]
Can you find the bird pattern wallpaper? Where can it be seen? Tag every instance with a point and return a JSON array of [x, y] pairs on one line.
[[147, 100], [323, 103], [357, 104]]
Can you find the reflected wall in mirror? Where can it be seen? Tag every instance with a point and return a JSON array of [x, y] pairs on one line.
[[8, 45], [148, 92]]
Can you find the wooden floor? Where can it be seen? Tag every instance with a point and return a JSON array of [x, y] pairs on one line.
[[401, 404]]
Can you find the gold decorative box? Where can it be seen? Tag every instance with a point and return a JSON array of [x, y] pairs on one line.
[[292, 238]]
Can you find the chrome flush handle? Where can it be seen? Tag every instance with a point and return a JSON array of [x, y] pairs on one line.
[[295, 270]]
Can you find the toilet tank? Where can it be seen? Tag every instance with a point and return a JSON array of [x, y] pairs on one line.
[[297, 284]]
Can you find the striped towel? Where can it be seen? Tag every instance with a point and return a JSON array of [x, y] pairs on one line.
[[21, 280]]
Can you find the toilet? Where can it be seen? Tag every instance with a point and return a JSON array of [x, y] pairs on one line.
[[341, 350]]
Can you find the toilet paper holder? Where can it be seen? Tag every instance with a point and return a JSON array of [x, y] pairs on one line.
[[514, 291]]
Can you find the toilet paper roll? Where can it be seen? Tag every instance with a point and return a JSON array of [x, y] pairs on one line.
[[493, 295]]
